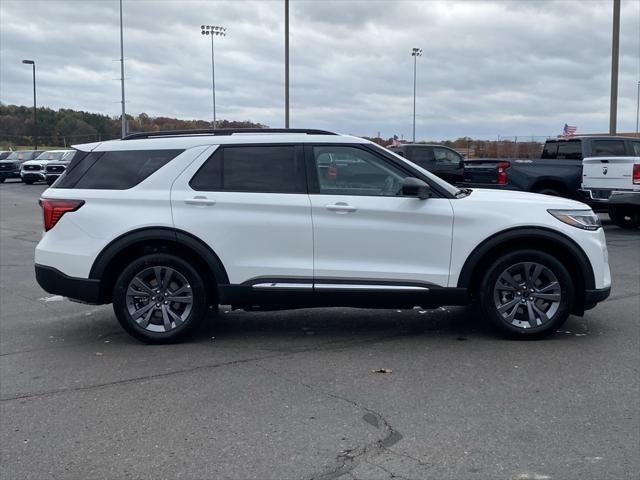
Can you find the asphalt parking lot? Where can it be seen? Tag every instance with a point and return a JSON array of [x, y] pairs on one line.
[[292, 395]]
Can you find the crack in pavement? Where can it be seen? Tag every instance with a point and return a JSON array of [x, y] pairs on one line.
[[154, 376], [348, 460]]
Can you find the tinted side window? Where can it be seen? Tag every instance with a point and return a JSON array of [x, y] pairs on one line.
[[636, 149], [608, 148], [422, 156], [353, 171], [446, 156], [262, 169], [117, 170], [550, 150], [570, 149]]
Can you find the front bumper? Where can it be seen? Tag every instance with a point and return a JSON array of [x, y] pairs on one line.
[[593, 297], [33, 176], [10, 174], [85, 290]]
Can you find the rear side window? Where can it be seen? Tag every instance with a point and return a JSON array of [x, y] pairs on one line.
[[570, 150], [636, 149], [261, 169], [550, 150], [422, 156], [116, 170], [608, 148]]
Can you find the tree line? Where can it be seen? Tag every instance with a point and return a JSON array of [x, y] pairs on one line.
[[65, 126]]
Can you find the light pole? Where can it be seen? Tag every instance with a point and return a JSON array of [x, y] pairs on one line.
[[615, 54], [213, 31], [286, 63], [638, 110], [123, 119], [415, 53], [35, 115]]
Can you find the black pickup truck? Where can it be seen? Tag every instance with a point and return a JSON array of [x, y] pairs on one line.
[[557, 172], [442, 161]]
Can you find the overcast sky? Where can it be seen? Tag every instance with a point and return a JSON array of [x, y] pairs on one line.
[[488, 67]]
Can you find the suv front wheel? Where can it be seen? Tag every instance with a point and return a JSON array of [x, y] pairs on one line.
[[527, 294], [159, 298]]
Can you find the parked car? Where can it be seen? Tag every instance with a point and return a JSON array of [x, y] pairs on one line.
[[10, 166], [442, 161], [34, 170], [168, 225], [614, 182], [558, 171], [55, 168]]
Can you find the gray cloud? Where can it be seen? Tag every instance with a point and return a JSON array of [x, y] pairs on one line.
[[489, 68]]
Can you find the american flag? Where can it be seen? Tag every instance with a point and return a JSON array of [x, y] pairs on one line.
[[568, 130], [395, 142]]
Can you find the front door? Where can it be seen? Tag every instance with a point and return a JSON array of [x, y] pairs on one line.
[[365, 231]]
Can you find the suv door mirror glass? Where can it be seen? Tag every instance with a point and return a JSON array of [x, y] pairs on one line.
[[414, 187]]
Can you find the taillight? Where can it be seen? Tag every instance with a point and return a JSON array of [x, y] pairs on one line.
[[502, 174], [53, 209], [636, 173]]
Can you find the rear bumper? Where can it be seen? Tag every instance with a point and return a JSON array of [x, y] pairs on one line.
[[593, 297], [625, 198], [85, 290]]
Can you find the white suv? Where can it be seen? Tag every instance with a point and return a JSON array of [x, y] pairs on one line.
[[168, 224]]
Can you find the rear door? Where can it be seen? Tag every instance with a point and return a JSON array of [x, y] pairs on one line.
[[249, 203], [364, 231]]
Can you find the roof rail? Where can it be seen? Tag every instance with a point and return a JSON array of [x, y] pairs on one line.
[[224, 131]]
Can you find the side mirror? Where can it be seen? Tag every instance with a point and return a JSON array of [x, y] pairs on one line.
[[414, 187]]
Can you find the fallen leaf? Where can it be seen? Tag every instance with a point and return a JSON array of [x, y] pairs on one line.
[[382, 370], [99, 354]]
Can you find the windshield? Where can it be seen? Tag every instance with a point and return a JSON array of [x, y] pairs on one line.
[[69, 155], [441, 183], [51, 156]]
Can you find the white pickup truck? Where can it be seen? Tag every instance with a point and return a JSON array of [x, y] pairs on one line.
[[614, 182]]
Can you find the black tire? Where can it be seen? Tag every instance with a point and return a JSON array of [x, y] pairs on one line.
[[28, 182], [2, 180], [519, 326], [624, 217], [156, 331]]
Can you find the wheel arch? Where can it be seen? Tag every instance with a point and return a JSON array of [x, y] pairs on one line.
[[554, 183], [539, 238], [120, 251]]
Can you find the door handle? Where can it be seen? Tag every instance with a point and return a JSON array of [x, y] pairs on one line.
[[341, 207], [200, 200]]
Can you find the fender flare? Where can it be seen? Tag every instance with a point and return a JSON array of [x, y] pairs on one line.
[[526, 233], [211, 259]]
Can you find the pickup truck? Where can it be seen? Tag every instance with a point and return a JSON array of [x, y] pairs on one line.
[[557, 172], [615, 183], [442, 161]]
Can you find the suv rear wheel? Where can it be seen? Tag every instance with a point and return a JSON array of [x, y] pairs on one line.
[[527, 294], [159, 298]]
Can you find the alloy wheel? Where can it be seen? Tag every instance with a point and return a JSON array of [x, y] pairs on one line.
[[159, 299], [527, 295]]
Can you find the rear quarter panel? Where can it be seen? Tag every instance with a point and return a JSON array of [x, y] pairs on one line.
[[74, 243]]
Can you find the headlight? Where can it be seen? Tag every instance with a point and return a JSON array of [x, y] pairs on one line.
[[584, 219]]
